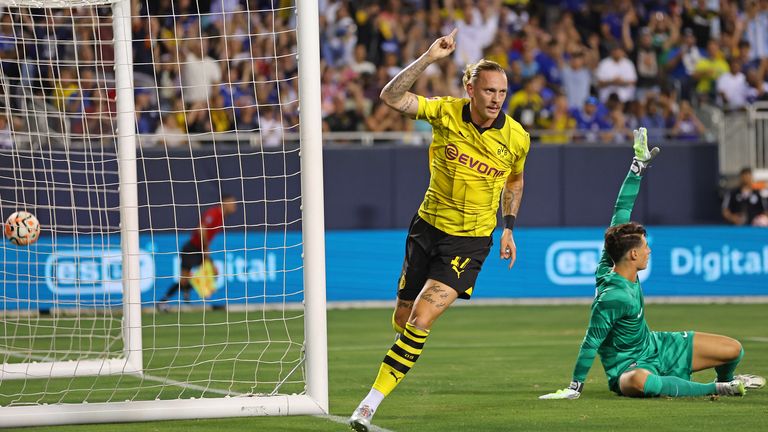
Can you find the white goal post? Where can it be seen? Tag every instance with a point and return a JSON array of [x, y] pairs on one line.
[[124, 360]]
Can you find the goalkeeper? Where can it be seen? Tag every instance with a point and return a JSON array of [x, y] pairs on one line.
[[195, 251], [640, 362]]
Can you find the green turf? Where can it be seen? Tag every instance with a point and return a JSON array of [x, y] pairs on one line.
[[484, 367]]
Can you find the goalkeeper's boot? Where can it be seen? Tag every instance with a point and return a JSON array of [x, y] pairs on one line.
[[731, 388], [751, 381], [361, 419]]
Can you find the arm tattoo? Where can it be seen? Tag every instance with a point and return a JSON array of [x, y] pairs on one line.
[[395, 89], [510, 198], [406, 104]]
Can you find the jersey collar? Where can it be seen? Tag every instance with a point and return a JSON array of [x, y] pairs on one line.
[[497, 124]]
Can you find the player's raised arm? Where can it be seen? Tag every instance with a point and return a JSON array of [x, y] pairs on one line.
[[396, 94], [630, 188]]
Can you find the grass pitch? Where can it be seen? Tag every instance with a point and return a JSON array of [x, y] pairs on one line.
[[483, 368]]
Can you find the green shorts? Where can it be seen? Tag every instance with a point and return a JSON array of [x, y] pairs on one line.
[[673, 357]]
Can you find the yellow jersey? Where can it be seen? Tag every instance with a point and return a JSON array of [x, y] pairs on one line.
[[468, 166]]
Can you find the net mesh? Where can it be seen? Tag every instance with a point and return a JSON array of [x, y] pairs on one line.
[[216, 100]]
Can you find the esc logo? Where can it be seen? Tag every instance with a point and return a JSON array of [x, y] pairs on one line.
[[574, 262]]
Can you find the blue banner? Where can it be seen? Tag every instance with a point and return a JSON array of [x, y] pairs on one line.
[[255, 268]]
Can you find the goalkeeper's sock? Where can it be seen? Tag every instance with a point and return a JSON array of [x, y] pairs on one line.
[[171, 291], [400, 358], [725, 371], [676, 387]]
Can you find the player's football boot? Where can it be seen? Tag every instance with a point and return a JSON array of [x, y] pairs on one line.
[[731, 388], [361, 419], [751, 381]]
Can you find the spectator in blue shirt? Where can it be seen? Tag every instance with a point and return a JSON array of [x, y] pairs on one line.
[[589, 120]]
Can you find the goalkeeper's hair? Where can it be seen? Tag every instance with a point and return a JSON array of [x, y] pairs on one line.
[[471, 71], [619, 239]]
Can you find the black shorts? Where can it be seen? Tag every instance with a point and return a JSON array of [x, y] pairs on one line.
[[191, 256], [433, 254]]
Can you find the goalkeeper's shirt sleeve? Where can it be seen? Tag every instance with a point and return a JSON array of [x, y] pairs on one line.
[[605, 312], [621, 213]]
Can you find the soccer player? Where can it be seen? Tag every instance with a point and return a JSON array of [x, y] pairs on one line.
[[637, 361], [477, 156], [195, 251]]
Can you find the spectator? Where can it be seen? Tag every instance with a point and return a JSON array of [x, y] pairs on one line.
[[645, 56], [653, 119], [199, 72], [680, 62], [687, 126], [560, 125], [270, 128], [344, 119], [169, 133], [703, 21], [147, 115], [360, 64], [758, 88], [733, 88], [341, 38], [708, 70], [477, 30], [590, 123], [755, 25], [744, 204], [616, 74], [619, 131], [576, 79], [526, 105]]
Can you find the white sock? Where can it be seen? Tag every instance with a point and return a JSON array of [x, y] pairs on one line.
[[373, 399]]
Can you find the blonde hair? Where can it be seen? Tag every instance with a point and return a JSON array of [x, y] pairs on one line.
[[471, 71]]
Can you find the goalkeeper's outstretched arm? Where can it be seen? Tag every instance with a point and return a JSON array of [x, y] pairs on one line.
[[629, 189]]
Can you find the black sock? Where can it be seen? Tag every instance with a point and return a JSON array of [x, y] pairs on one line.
[[171, 291]]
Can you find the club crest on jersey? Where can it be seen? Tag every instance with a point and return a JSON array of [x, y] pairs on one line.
[[452, 153]]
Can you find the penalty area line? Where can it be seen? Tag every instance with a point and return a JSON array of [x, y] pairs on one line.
[[345, 421]]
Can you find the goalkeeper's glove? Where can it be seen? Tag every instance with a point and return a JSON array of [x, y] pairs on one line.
[[643, 156], [573, 391]]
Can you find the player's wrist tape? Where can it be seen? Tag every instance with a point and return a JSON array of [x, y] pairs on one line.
[[576, 386], [638, 167], [509, 222]]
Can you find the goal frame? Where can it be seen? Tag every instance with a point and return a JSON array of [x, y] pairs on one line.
[[315, 399]]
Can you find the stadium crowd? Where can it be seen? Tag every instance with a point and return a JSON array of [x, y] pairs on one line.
[[578, 70]]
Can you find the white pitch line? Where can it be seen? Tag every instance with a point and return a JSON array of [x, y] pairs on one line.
[[757, 339], [345, 421], [147, 377]]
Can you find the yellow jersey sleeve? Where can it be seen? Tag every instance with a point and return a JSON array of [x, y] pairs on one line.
[[525, 146]]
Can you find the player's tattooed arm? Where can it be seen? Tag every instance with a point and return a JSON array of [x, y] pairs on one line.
[[512, 195], [396, 94], [510, 204]]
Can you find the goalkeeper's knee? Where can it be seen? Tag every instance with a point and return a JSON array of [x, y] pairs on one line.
[[395, 325]]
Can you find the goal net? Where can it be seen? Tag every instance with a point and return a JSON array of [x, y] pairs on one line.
[[158, 144]]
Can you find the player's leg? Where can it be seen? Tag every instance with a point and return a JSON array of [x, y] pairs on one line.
[[716, 351], [410, 283], [641, 382], [433, 300], [190, 258], [723, 354], [401, 314]]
